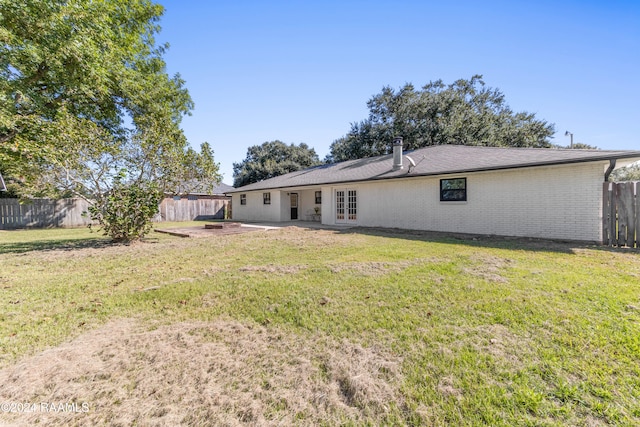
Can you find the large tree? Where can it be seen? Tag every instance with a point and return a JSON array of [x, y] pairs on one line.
[[272, 159], [466, 112], [87, 106]]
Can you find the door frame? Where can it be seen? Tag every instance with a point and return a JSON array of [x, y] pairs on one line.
[[346, 205], [296, 207]]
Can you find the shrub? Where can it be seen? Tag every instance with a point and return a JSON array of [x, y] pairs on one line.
[[126, 211]]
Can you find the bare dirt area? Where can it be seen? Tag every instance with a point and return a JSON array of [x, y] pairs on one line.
[[201, 231], [201, 373]]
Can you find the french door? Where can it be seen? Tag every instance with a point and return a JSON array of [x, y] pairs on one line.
[[346, 206]]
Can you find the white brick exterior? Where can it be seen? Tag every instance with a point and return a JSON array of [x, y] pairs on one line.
[[255, 209], [555, 202], [279, 209]]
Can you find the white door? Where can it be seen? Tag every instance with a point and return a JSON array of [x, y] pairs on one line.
[[346, 206], [352, 207]]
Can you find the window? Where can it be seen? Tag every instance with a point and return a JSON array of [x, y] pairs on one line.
[[318, 197], [243, 199], [176, 197], [192, 197], [453, 190], [266, 198]]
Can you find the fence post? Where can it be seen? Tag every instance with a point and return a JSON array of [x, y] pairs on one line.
[[637, 213], [607, 201]]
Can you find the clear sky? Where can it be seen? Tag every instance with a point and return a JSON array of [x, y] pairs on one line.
[[302, 71]]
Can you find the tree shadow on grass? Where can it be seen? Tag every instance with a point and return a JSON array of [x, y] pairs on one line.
[[62, 245], [53, 245], [478, 240]]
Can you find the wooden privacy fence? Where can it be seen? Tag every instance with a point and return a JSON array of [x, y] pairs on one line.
[[41, 213], [189, 209], [621, 214]]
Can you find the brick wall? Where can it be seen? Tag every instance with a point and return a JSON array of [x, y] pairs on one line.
[[255, 209], [559, 202], [554, 202]]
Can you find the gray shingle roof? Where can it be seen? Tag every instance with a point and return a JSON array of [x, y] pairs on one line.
[[198, 188], [436, 160], [222, 188]]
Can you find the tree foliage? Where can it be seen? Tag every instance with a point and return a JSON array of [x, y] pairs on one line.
[[95, 59], [466, 112], [88, 108], [579, 146], [272, 159], [627, 173], [126, 210]]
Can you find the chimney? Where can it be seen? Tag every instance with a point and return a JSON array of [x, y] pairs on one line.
[[397, 153]]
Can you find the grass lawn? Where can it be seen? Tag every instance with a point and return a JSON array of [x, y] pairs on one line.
[[318, 327]]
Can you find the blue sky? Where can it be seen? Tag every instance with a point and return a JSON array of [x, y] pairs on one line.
[[302, 71]]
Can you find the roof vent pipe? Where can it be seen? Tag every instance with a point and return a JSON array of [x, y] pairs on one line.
[[397, 153]]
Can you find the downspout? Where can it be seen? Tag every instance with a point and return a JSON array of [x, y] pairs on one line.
[[612, 166]]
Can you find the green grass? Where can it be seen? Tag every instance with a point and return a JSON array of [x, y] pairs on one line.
[[491, 332]]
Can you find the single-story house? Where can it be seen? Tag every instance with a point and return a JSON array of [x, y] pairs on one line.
[[526, 192]]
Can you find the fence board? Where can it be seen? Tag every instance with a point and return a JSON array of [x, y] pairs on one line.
[[626, 218], [637, 211], [607, 235], [41, 213], [633, 214], [621, 214], [68, 212], [188, 210]]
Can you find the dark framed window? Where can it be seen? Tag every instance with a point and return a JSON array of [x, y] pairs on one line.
[[266, 198], [243, 199], [318, 197], [192, 197], [453, 190]]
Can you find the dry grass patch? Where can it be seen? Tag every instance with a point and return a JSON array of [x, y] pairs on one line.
[[312, 238], [488, 267], [446, 387], [275, 269], [197, 373], [375, 268]]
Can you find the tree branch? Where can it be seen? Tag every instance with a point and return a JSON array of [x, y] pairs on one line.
[[9, 136]]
